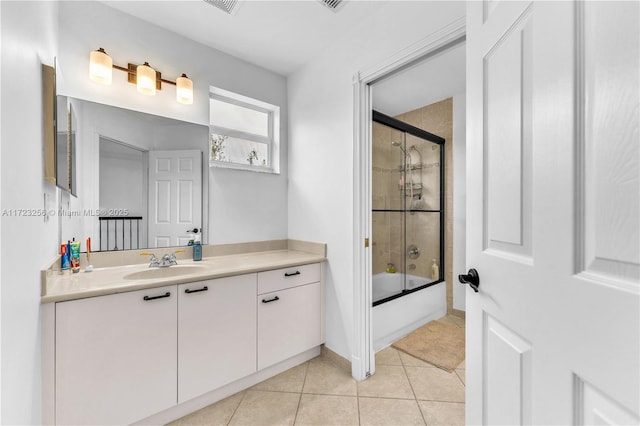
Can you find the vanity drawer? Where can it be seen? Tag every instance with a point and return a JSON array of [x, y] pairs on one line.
[[280, 279]]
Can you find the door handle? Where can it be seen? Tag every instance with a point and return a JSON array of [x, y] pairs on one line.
[[472, 278], [270, 300]]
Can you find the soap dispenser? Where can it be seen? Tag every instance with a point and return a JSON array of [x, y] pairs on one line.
[[435, 271], [197, 246]]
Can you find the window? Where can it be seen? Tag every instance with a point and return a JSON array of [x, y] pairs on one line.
[[244, 133]]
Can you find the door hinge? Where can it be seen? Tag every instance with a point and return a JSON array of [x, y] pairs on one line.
[[367, 374], [366, 242]]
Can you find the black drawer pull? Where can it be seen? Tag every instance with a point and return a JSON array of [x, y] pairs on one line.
[[270, 300], [167, 294], [286, 274], [188, 291]]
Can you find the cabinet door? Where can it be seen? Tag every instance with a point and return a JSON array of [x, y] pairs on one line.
[[216, 333], [116, 357], [289, 322]]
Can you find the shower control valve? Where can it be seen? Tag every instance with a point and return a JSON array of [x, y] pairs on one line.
[[413, 252]]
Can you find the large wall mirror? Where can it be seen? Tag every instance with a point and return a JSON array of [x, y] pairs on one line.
[[140, 179]]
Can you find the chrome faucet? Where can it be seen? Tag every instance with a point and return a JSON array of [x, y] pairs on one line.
[[153, 262], [168, 260]]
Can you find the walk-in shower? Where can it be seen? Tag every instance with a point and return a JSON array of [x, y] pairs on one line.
[[407, 209]]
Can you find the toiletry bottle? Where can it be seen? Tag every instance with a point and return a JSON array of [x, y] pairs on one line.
[[435, 271], [64, 258], [197, 247], [75, 256]]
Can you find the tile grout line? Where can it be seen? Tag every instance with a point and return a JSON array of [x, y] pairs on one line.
[[358, 401], [404, 368], [304, 381], [237, 406]]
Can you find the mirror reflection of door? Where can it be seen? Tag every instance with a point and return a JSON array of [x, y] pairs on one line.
[[161, 188], [175, 204]]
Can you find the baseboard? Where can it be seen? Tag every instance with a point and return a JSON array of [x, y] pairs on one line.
[[219, 394], [387, 340], [335, 358]]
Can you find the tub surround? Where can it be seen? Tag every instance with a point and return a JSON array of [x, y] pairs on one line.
[[112, 268]]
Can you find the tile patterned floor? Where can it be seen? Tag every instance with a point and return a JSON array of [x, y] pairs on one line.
[[403, 391]]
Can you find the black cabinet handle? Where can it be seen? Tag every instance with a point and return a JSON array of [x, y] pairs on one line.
[[270, 300], [167, 294], [286, 274], [188, 291]]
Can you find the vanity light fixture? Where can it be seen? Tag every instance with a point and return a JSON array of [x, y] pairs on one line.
[[146, 79]]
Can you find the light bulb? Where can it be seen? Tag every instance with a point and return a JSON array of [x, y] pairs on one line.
[[146, 79], [100, 67], [184, 90]]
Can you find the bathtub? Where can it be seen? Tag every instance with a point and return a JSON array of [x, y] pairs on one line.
[[397, 318]]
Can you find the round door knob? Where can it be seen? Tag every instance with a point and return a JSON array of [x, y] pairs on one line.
[[472, 278]]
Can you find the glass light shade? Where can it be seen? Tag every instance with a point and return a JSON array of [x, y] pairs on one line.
[[146, 79], [100, 67], [184, 90]]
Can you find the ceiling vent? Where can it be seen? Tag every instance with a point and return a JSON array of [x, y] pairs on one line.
[[331, 4], [228, 6]]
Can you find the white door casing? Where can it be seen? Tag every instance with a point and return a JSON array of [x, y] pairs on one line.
[[175, 196], [553, 201], [362, 357]]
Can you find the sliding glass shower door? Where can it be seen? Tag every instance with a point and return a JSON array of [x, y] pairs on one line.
[[407, 209]]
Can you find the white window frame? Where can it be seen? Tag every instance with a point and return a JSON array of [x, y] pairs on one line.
[[272, 140]]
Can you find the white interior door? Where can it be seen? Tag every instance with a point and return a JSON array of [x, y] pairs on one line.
[[175, 196], [553, 211]]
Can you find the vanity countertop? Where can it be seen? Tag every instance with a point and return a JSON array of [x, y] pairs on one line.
[[59, 287]]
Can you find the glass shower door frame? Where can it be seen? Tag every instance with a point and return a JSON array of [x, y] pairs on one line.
[[396, 124]]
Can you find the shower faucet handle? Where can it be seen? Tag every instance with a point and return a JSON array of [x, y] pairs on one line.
[[413, 252]]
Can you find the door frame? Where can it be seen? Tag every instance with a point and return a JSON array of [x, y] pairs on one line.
[[362, 356]]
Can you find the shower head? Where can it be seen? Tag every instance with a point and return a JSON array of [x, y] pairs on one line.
[[399, 145]]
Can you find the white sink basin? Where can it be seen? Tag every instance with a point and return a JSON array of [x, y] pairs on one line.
[[164, 272]]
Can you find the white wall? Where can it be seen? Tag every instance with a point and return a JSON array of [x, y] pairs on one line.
[[243, 206], [30, 34], [29, 38], [321, 143]]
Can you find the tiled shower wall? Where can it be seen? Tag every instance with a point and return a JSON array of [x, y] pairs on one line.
[[422, 228]]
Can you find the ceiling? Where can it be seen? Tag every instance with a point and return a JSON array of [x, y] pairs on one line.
[[431, 80], [280, 36]]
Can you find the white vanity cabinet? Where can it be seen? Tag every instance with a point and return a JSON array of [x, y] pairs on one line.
[[216, 333], [115, 357], [289, 313], [154, 354]]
